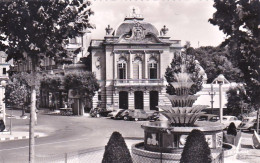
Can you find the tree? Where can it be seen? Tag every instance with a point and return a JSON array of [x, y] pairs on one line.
[[237, 100], [18, 89], [239, 20], [52, 84], [215, 61], [116, 150], [192, 69], [16, 94], [36, 29], [196, 149], [86, 82]]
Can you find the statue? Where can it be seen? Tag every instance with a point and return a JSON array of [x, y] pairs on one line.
[[108, 30], [164, 31]]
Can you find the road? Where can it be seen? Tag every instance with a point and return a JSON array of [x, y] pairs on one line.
[[66, 134]]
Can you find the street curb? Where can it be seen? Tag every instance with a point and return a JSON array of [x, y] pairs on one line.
[[19, 137]]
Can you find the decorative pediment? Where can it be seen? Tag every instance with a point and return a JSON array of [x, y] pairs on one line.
[[138, 34]]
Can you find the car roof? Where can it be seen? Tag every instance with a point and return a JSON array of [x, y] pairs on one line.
[[228, 116]]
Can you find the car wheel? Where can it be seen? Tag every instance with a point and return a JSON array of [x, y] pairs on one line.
[[250, 129], [126, 118]]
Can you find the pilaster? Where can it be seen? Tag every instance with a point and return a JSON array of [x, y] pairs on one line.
[[131, 100], [146, 100], [130, 65], [145, 66]]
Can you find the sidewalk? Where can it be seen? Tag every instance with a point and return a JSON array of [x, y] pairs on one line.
[[17, 135]]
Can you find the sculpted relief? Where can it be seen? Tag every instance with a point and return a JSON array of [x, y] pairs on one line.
[[138, 34]]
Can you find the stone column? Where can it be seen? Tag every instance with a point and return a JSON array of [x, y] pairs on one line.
[[131, 100], [116, 99], [160, 65], [130, 65], [115, 66], [95, 100], [146, 100], [145, 66]]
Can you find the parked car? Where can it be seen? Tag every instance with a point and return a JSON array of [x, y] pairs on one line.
[[247, 123], [209, 117], [229, 119], [139, 114], [115, 114]]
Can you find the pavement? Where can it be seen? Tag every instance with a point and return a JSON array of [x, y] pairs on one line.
[[17, 135], [71, 133]]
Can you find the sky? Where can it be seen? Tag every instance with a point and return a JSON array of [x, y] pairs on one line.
[[187, 20]]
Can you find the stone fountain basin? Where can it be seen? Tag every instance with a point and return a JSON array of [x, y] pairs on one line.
[[200, 125], [161, 136]]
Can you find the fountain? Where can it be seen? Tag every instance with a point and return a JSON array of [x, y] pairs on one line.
[[165, 140]]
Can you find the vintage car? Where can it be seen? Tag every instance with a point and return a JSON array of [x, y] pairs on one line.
[[247, 123], [227, 120], [138, 114], [115, 114], [208, 117]]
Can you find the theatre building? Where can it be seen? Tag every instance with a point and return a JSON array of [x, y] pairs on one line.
[[130, 63]]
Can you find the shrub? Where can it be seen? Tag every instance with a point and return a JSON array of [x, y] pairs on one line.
[[232, 130], [116, 150], [196, 149]]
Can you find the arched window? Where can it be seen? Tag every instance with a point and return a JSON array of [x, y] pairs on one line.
[[153, 69], [121, 65]]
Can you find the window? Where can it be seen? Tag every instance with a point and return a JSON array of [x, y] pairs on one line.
[[137, 68], [153, 70], [4, 70], [121, 70]]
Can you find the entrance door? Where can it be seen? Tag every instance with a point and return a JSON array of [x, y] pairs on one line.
[[139, 100], [123, 100], [154, 98]]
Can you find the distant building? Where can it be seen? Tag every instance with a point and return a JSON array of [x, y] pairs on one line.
[[130, 63]]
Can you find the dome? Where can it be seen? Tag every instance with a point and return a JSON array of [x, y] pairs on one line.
[[127, 26]]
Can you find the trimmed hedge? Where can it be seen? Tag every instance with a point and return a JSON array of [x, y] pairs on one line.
[[116, 150], [196, 149]]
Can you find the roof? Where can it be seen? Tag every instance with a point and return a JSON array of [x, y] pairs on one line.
[[128, 25]]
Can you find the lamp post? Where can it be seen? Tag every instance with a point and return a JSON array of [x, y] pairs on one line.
[[212, 94], [240, 103], [3, 84], [220, 80]]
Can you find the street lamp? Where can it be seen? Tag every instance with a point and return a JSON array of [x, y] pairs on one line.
[[3, 84], [220, 79], [240, 103], [212, 94]]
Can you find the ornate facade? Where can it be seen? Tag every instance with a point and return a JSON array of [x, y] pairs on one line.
[[130, 63]]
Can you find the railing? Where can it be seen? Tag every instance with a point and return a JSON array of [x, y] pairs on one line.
[[123, 82]]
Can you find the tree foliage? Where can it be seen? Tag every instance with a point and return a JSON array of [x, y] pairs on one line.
[[33, 29], [16, 93], [83, 82], [239, 20], [52, 84], [191, 68], [196, 149], [237, 100], [116, 150], [215, 61]]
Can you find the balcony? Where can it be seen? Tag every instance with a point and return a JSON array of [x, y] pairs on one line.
[[138, 82]]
